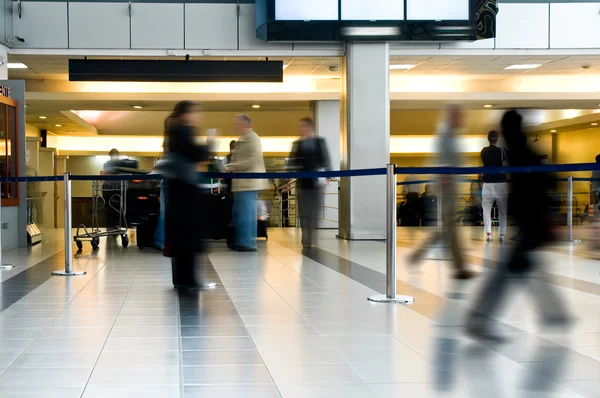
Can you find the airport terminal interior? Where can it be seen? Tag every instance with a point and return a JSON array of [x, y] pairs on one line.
[[294, 319]]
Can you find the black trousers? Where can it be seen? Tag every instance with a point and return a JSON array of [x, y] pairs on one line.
[[183, 268]]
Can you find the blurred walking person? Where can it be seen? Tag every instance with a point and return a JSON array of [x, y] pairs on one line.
[[246, 158], [448, 156], [309, 153], [184, 205], [532, 212], [495, 187]]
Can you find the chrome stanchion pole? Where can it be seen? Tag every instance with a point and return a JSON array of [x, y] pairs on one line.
[[68, 271], [570, 210], [2, 265], [390, 255]]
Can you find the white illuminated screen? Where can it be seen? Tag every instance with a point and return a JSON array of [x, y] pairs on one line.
[[306, 10], [437, 10], [379, 10]]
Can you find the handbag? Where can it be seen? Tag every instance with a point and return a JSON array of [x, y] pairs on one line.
[[175, 167]]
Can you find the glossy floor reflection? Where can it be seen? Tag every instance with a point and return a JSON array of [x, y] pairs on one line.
[[286, 324]]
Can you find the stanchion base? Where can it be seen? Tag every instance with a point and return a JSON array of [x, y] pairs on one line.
[[7, 266], [382, 298], [65, 273]]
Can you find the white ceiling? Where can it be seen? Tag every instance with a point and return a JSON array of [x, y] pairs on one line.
[[56, 67]]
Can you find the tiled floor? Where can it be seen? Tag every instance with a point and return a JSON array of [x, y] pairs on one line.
[[283, 324]]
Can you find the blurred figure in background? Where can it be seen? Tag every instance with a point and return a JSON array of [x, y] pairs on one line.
[[448, 155], [227, 181], [247, 158], [532, 212], [495, 187], [184, 205], [309, 153], [595, 188], [159, 233]]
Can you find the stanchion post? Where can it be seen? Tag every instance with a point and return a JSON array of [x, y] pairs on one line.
[[68, 271], [570, 210], [390, 255], [2, 265]]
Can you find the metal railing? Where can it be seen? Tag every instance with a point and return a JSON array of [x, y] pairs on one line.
[[286, 206]]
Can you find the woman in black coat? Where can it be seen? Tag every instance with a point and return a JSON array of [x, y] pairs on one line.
[[184, 203]]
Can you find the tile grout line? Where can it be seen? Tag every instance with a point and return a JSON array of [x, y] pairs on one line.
[[111, 329]]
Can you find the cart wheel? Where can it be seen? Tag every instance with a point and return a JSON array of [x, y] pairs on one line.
[[124, 240], [79, 244], [95, 243]]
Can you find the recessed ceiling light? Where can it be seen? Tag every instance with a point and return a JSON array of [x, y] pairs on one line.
[[58, 125], [256, 106], [487, 106], [401, 67], [553, 131], [523, 66], [16, 65], [594, 124], [138, 106], [42, 117]]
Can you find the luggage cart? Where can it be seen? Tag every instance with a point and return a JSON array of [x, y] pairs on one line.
[[117, 193]]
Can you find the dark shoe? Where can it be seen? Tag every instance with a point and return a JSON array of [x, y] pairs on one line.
[[464, 274], [243, 249]]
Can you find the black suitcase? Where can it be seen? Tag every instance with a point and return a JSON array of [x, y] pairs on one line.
[[145, 231], [219, 208]]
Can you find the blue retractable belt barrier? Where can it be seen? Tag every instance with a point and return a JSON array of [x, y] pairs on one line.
[[338, 173]]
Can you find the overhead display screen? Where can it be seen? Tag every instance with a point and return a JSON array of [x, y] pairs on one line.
[[306, 10], [372, 10], [437, 10]]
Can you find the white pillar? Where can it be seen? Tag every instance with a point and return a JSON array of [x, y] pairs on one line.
[[3, 62], [327, 125], [365, 139]]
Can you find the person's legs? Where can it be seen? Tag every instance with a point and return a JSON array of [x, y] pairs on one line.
[[312, 210], [501, 196], [159, 233], [487, 200], [245, 216], [303, 206]]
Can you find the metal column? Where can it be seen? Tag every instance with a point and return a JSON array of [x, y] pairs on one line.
[[390, 255], [68, 271]]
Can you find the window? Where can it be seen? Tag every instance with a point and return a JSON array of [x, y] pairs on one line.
[[9, 165]]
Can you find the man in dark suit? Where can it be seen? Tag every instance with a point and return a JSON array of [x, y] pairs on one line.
[[309, 153]]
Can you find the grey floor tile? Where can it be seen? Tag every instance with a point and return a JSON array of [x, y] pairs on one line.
[[135, 377], [18, 334], [282, 330], [142, 344], [155, 331], [414, 371], [217, 343], [57, 360], [131, 392], [302, 357], [315, 374], [138, 359], [78, 344], [213, 331], [136, 322], [424, 390], [82, 323], [15, 377], [7, 358], [353, 330], [284, 342], [41, 392], [585, 388], [197, 375], [239, 391], [328, 391], [74, 333], [221, 357]]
